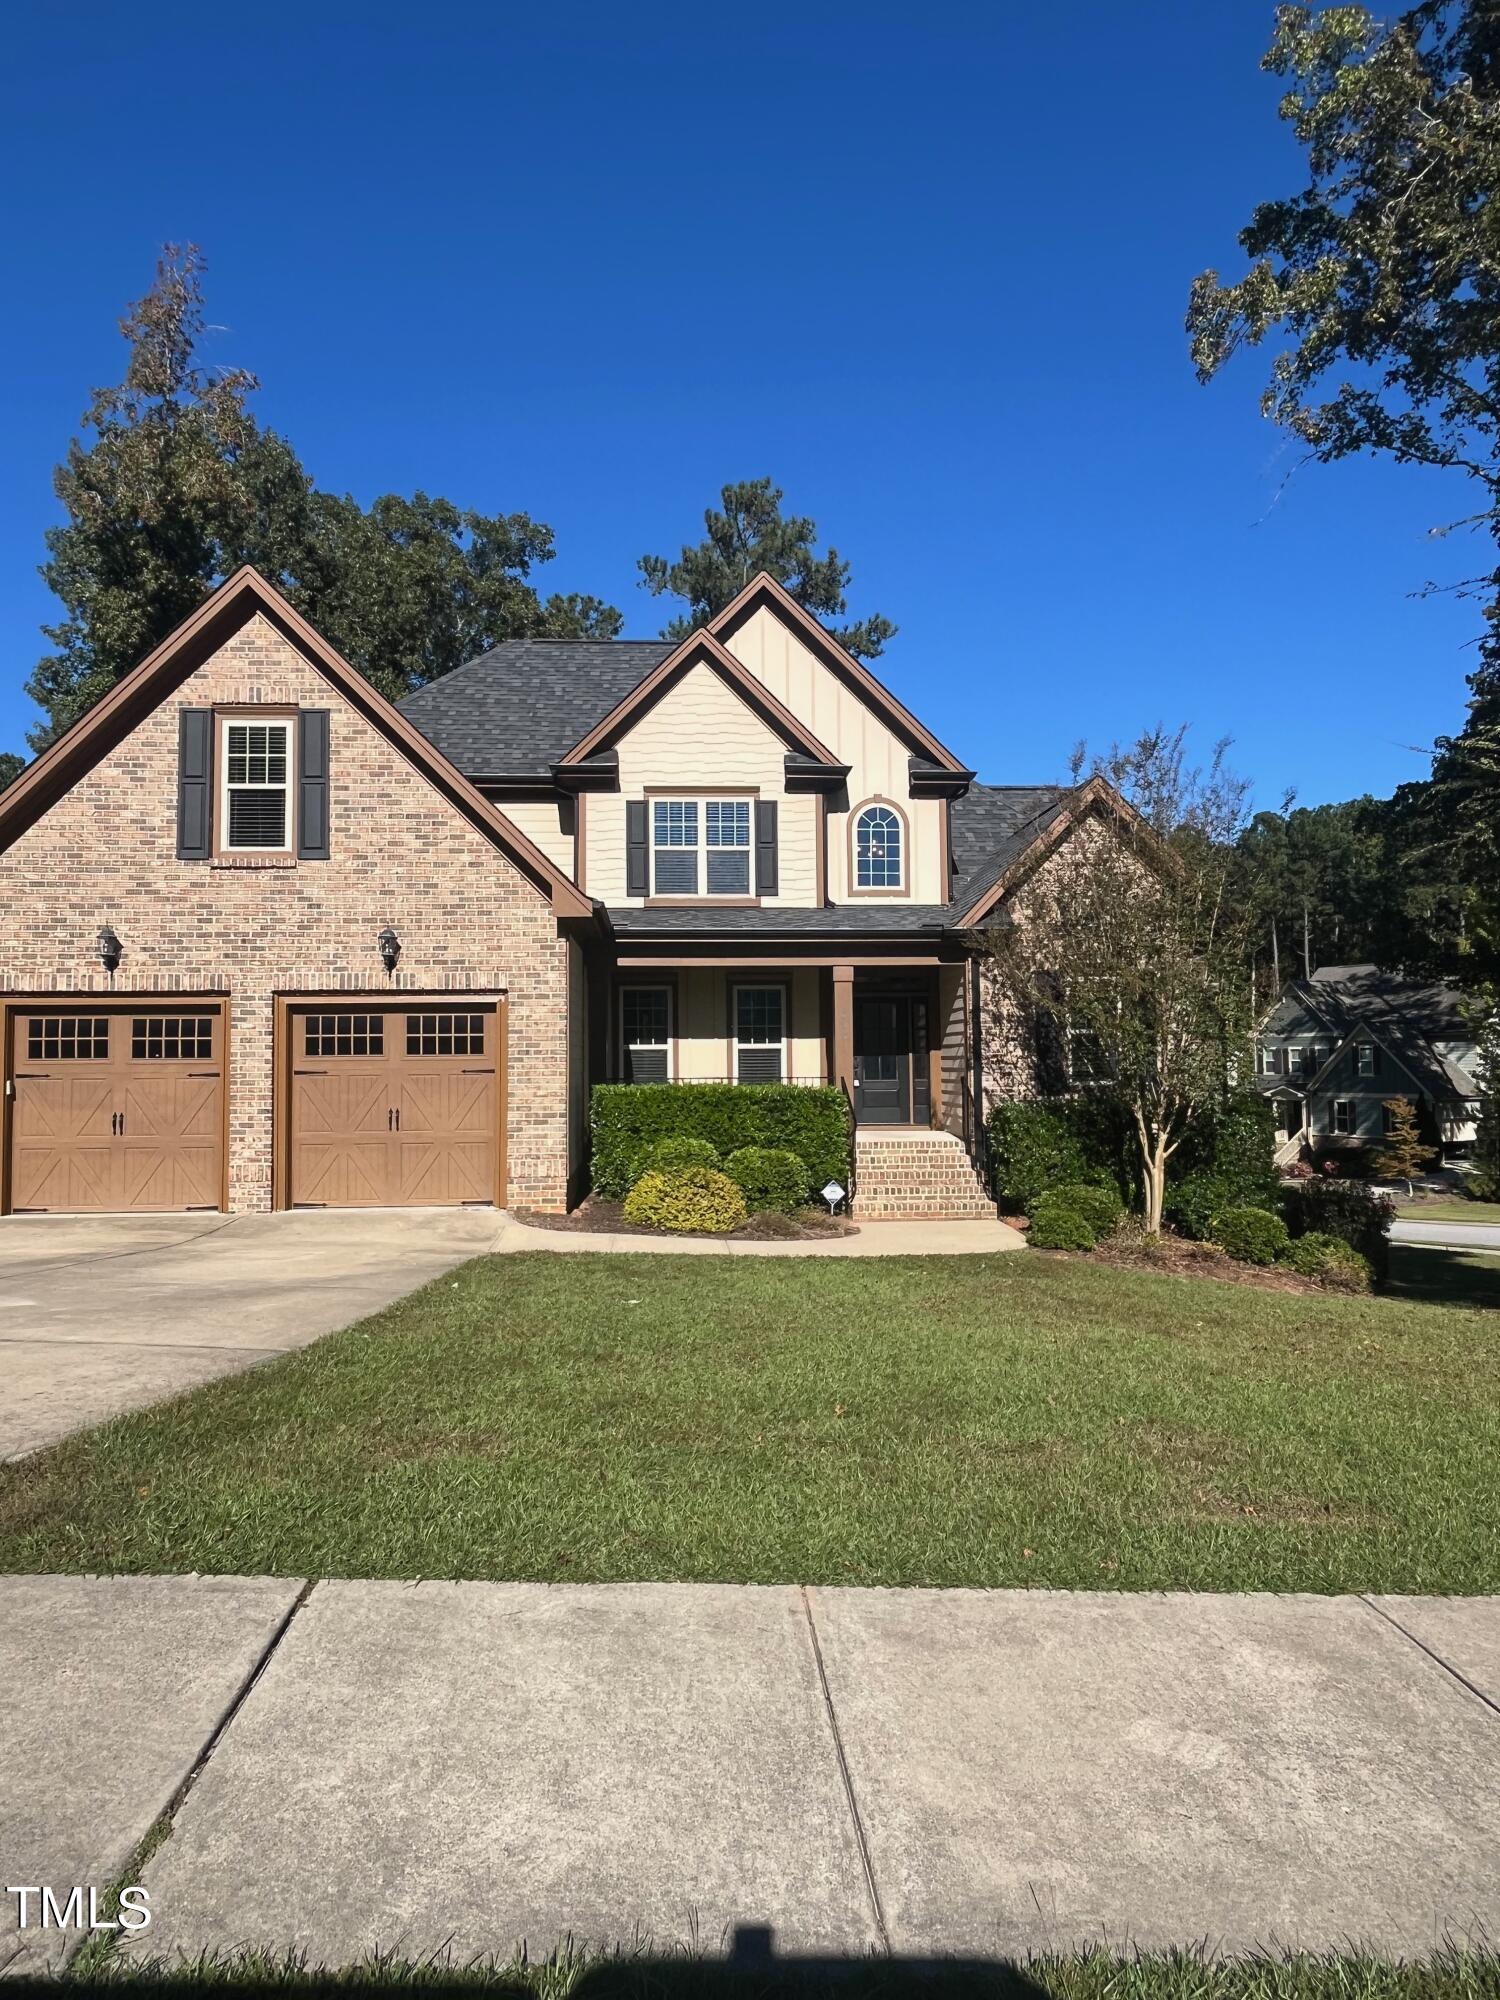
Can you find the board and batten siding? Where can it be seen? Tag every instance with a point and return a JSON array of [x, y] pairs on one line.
[[701, 737], [858, 737]]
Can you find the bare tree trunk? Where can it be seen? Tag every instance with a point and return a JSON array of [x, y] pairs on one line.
[[1306, 943], [1156, 1186], [1275, 958]]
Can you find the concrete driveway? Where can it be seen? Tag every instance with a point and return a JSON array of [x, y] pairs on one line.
[[100, 1314]]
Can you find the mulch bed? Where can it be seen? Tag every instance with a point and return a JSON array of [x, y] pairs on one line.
[[594, 1217], [1180, 1257]]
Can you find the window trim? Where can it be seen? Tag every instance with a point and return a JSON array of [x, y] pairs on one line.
[[903, 894], [1361, 1069], [224, 719], [702, 798], [1294, 1059], [1344, 1105], [645, 986], [779, 986]]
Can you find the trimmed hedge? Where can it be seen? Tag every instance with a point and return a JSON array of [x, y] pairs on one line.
[[773, 1181], [667, 1155], [629, 1118], [1224, 1162], [1056, 1224], [1348, 1209], [1253, 1235], [690, 1198]]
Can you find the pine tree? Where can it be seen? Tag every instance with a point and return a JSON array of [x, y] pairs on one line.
[[1405, 1151]]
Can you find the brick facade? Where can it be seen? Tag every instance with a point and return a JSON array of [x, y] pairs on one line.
[[468, 920]]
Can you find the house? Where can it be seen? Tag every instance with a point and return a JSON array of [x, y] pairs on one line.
[[270, 941], [1337, 1050]]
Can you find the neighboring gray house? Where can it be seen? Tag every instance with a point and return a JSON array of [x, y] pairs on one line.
[[1337, 1049]]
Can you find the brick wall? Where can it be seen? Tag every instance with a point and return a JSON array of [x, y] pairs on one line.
[[468, 920]]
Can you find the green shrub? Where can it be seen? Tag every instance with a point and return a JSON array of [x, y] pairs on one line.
[[1224, 1161], [1100, 1207], [690, 1198], [1330, 1260], [1347, 1209], [1050, 1143], [629, 1118], [1057, 1225], [770, 1178], [1253, 1235], [1344, 1270], [680, 1150]]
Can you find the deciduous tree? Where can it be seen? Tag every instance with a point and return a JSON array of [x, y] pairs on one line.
[[1127, 946], [1386, 266], [748, 535]]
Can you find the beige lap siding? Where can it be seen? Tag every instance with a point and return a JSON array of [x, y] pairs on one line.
[[468, 920]]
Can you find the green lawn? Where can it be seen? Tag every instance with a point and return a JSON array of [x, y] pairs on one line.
[[1448, 1211], [1429, 1273], [1008, 1420]]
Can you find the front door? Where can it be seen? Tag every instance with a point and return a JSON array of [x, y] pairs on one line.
[[882, 1060]]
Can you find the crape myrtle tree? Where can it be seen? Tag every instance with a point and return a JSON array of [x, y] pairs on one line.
[[749, 535], [1127, 950], [1380, 280], [174, 484]]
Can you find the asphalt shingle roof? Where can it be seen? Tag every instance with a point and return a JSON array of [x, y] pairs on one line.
[[1407, 1017], [844, 919], [515, 710]]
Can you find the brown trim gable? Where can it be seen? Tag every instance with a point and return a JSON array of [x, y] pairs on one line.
[[764, 589], [163, 670], [1069, 812], [699, 648]]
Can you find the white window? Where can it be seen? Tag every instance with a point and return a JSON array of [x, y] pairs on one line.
[[1270, 1062], [255, 812], [700, 842], [1367, 1059], [759, 1034], [1295, 1058], [1086, 1059], [1343, 1115], [877, 849], [646, 1034]]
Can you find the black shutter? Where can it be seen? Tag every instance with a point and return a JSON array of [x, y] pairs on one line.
[[637, 859], [312, 784], [195, 787], [765, 847]]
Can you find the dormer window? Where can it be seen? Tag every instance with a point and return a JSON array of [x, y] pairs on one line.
[[879, 860], [255, 814], [700, 847]]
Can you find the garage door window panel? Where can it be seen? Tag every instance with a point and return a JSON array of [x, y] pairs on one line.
[[67, 1038], [345, 1035], [445, 1034], [172, 1038]]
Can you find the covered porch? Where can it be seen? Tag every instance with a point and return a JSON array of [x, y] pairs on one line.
[[895, 1035]]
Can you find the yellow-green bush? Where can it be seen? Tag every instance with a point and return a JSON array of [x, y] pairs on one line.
[[686, 1198]]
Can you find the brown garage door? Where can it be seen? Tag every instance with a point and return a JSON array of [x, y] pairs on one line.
[[394, 1107], [117, 1108]]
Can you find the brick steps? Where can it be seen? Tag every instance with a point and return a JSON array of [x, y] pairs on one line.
[[908, 1176]]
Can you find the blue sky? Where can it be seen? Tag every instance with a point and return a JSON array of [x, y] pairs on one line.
[[926, 267]]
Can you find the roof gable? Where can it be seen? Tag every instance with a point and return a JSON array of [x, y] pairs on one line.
[[698, 649], [763, 591], [222, 614]]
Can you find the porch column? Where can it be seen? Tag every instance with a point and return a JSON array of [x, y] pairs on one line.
[[843, 1028]]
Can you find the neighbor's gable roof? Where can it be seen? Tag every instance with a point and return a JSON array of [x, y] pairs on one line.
[[200, 635]]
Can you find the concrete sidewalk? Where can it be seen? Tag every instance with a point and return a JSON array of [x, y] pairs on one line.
[[376, 1766]]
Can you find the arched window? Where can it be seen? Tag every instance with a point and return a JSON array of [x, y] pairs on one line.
[[877, 849]]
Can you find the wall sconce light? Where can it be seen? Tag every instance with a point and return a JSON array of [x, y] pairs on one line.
[[390, 948], [109, 948]]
